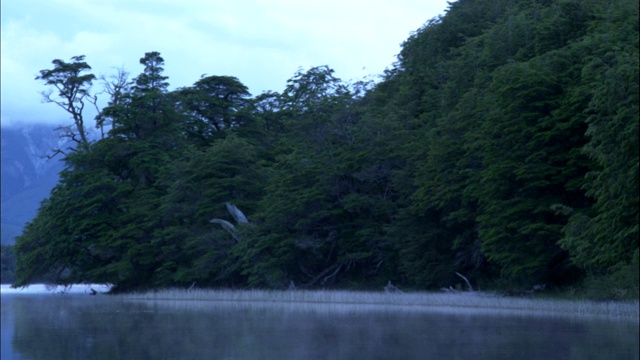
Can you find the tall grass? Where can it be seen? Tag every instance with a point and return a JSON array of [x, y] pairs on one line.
[[355, 301]]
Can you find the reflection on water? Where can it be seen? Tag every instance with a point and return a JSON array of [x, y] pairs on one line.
[[77, 326]]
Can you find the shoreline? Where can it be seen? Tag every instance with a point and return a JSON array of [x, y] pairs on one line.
[[345, 300], [418, 301]]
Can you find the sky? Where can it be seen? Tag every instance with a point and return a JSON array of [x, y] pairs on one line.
[[261, 42]]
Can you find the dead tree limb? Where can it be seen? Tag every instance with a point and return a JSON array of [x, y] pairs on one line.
[[227, 226], [325, 275], [465, 280], [237, 215], [392, 289], [332, 275]]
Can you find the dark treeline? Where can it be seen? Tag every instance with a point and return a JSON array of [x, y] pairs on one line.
[[503, 145], [7, 265]]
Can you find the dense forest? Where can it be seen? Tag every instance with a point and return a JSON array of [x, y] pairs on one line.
[[502, 145]]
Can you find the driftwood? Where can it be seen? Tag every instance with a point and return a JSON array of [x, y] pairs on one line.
[[466, 280], [451, 289], [392, 289]]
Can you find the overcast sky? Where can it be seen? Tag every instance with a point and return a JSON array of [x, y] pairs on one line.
[[261, 42]]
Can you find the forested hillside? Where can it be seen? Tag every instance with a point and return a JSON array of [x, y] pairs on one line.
[[27, 175], [503, 145]]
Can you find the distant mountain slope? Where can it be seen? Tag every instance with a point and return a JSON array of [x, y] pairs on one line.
[[27, 175]]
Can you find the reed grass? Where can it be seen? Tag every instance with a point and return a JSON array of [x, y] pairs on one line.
[[355, 301]]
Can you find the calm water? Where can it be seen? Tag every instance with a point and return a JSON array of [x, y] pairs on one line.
[[78, 326]]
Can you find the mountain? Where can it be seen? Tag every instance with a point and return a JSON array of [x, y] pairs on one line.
[[27, 175]]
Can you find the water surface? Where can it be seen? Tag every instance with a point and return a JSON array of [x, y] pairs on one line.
[[79, 326]]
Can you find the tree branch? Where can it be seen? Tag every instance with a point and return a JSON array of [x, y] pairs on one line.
[[465, 280], [237, 215], [227, 226]]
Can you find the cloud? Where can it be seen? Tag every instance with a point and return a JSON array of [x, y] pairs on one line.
[[19, 66], [261, 42]]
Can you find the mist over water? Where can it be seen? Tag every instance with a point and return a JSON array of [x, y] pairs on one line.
[[54, 326]]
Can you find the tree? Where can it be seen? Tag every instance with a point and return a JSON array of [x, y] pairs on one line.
[[604, 237], [70, 240], [151, 80], [503, 145], [137, 112], [8, 261], [199, 184], [213, 104], [118, 87], [72, 92], [319, 222]]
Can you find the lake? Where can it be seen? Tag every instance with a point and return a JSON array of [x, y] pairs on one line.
[[74, 325]]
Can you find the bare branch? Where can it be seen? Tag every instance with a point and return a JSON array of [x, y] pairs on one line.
[[326, 274], [227, 226], [237, 215], [117, 86], [54, 152], [465, 280], [392, 289]]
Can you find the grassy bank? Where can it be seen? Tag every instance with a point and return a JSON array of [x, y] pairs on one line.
[[442, 302]]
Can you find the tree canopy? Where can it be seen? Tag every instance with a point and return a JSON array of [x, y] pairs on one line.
[[503, 145]]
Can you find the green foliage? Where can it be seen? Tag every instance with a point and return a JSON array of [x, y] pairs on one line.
[[8, 264], [620, 284], [72, 88], [502, 145], [212, 105], [525, 169], [608, 235]]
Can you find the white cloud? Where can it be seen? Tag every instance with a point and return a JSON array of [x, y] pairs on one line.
[[262, 42]]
